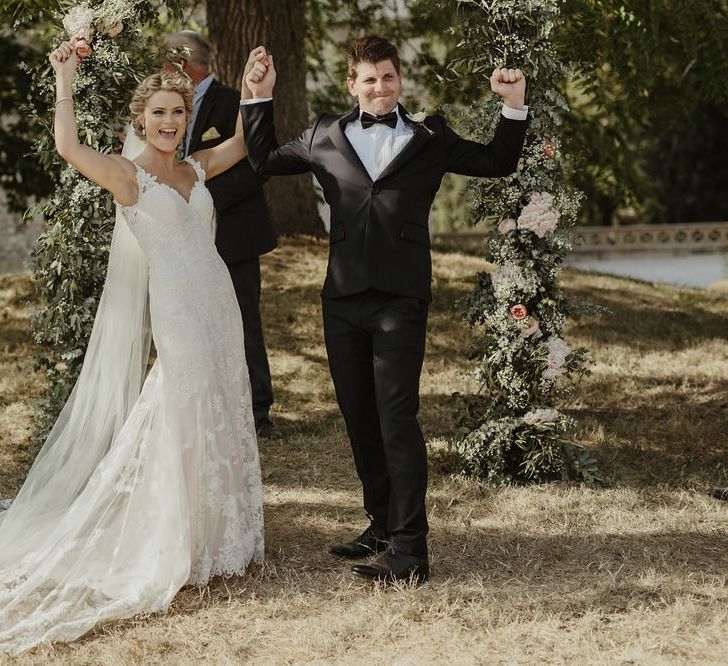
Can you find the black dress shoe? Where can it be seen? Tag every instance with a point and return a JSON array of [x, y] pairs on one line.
[[392, 566], [368, 543], [265, 428]]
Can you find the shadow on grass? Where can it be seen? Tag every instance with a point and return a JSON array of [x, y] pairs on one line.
[[648, 317], [665, 433], [298, 535]]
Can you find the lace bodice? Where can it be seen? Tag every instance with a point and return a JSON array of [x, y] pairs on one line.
[[178, 226]]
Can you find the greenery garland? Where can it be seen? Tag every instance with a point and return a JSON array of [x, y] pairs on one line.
[[511, 431], [70, 262]]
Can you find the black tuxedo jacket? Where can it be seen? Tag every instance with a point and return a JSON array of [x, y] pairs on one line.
[[244, 229], [379, 236]]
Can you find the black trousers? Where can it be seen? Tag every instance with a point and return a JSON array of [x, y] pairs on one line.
[[376, 344], [246, 280]]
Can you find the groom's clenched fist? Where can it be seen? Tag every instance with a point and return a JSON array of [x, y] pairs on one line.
[[510, 84], [260, 74]]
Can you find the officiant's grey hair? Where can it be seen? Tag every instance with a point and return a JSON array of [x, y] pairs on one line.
[[199, 49]]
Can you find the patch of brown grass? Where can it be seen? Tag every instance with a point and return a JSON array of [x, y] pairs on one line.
[[632, 573]]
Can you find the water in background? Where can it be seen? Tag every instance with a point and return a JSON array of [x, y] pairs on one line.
[[689, 270]]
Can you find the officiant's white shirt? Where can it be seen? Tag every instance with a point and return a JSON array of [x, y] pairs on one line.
[[379, 144]]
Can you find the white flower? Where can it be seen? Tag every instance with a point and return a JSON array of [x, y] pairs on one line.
[[506, 225], [540, 416], [79, 22], [419, 120], [558, 352], [510, 280], [417, 117], [539, 215]]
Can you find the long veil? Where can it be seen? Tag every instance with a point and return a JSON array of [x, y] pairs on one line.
[[105, 392]]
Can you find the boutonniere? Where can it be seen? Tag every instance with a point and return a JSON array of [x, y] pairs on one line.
[[419, 120], [211, 134]]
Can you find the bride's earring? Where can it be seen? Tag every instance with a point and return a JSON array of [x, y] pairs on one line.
[[144, 132]]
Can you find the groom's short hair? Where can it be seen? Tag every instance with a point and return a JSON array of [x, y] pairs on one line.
[[371, 49]]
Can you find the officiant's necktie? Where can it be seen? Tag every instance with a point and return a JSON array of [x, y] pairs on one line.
[[367, 120]]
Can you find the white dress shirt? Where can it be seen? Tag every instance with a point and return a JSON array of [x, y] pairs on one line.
[[200, 90], [379, 144]]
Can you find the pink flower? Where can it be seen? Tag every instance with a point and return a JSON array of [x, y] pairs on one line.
[[519, 311], [530, 326], [548, 149], [83, 48], [506, 225]]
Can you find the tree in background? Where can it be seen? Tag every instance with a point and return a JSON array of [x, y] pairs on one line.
[[511, 430], [236, 27]]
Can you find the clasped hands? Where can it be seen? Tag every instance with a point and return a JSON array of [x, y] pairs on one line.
[[259, 75]]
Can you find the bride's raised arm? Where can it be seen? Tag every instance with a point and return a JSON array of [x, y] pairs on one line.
[[220, 158], [112, 172]]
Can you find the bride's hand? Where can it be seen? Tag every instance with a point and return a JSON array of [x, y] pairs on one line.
[[64, 60]]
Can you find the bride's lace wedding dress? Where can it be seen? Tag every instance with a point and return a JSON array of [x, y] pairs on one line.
[[175, 497]]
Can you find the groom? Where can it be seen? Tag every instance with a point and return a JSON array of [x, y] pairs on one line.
[[380, 171]]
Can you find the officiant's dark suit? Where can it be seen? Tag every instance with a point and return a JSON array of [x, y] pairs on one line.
[[244, 231], [377, 291]]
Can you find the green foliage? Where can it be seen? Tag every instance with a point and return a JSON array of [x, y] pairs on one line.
[[647, 135], [72, 253], [509, 431], [20, 177]]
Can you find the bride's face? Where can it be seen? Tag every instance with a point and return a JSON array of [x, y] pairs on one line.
[[165, 120]]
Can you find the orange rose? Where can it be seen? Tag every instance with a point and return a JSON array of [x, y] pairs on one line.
[[519, 311], [83, 48], [548, 149]]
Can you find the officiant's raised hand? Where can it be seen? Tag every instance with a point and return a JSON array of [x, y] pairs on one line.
[[510, 84], [260, 76]]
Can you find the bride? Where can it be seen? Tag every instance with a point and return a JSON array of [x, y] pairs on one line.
[[144, 485]]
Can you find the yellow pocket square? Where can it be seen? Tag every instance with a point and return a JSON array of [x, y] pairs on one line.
[[211, 134]]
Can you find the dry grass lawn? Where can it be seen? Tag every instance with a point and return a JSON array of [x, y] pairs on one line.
[[633, 573]]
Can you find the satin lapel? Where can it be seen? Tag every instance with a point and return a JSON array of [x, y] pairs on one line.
[[338, 138], [206, 106], [420, 138]]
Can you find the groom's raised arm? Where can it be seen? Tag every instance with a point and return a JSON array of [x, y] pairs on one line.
[[264, 153], [495, 159], [256, 111], [500, 156]]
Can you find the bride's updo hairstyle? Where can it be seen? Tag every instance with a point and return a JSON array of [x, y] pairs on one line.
[[164, 81]]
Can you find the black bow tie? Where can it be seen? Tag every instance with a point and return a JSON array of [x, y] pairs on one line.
[[367, 120]]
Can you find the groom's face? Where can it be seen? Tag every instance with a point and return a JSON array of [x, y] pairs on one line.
[[377, 86]]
